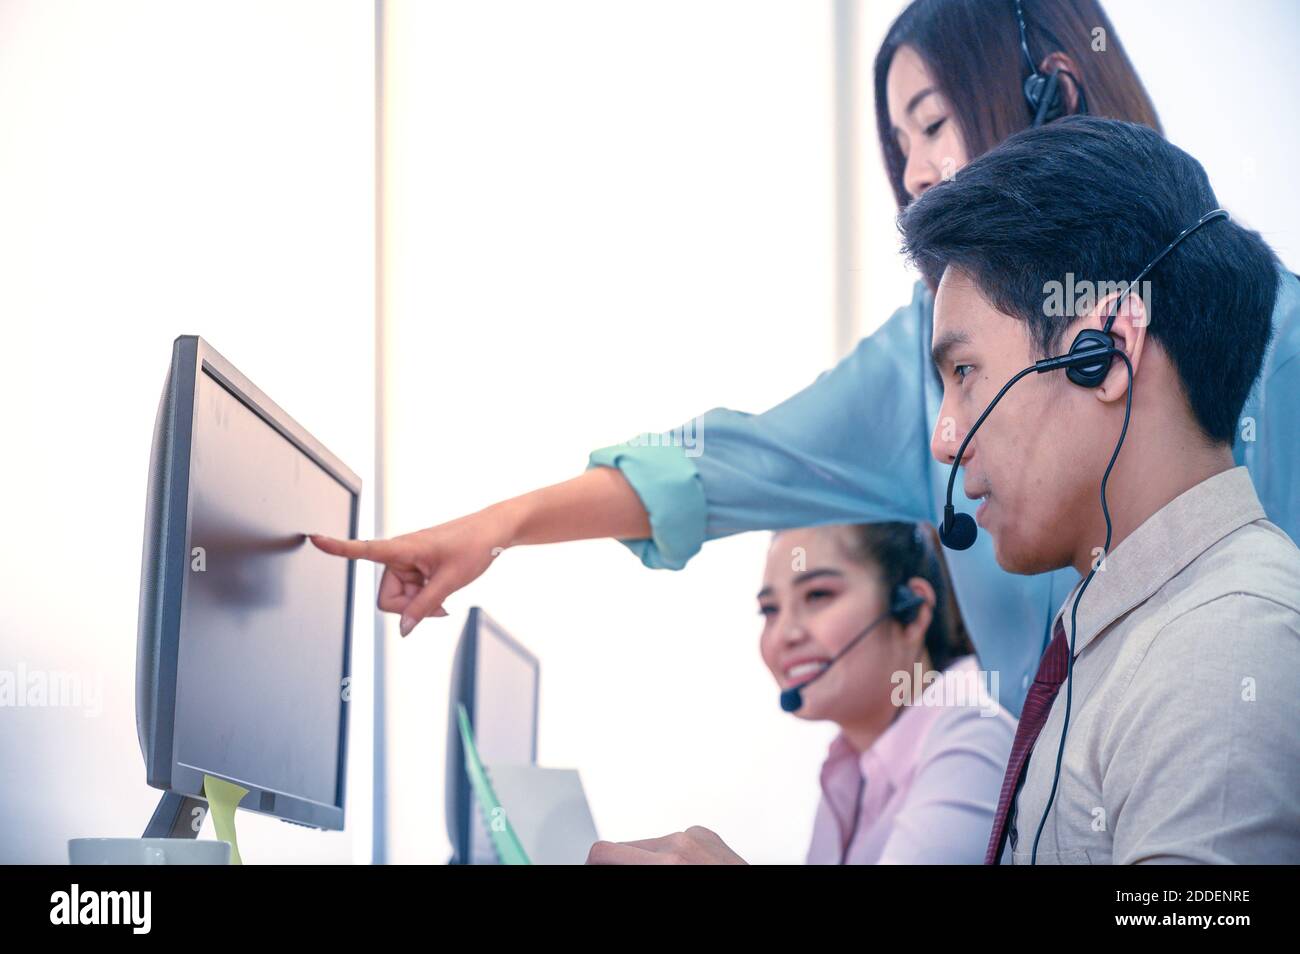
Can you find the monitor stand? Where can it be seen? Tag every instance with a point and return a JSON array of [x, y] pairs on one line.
[[177, 816]]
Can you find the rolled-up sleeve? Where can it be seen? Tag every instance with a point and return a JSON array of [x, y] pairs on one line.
[[851, 447], [670, 490]]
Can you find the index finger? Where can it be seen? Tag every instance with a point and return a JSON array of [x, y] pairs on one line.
[[352, 549]]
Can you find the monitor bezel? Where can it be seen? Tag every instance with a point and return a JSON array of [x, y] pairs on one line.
[[193, 356]]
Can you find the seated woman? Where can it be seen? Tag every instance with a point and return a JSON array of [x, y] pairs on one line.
[[910, 778], [860, 628]]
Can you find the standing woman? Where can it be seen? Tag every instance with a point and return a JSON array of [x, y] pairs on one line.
[[953, 78]]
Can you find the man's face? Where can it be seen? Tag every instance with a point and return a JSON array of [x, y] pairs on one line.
[[1029, 463]]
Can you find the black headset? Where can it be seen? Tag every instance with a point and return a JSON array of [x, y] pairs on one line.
[[1043, 92], [904, 604]]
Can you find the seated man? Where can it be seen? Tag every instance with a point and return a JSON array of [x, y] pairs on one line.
[[1175, 738]]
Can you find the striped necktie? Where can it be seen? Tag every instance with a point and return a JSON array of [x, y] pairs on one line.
[[1051, 673]]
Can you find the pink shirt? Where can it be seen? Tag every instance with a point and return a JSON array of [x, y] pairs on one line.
[[926, 790]]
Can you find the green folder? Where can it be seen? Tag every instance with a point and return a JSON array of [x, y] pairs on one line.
[[504, 839]]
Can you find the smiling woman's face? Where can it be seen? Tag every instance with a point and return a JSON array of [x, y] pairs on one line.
[[814, 601], [924, 127]]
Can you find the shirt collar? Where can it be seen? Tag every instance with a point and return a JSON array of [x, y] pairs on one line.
[[1160, 548]]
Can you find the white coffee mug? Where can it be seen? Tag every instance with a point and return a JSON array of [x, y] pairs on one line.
[[147, 851]]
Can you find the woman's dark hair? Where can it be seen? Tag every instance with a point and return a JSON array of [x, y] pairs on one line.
[[972, 50], [902, 551]]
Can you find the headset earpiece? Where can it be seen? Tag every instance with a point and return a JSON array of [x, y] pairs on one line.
[[905, 604], [1090, 374], [1043, 93]]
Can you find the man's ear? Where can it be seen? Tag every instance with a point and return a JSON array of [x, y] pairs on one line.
[[1129, 334], [1069, 86]]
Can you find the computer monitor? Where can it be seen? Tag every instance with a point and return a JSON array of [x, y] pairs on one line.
[[497, 679], [244, 646]]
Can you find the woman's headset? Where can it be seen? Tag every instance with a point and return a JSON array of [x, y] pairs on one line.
[[1043, 92]]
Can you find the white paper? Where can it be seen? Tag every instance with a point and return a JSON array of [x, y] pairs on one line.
[[548, 810]]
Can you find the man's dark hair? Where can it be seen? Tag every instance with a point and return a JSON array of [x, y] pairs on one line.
[[1100, 198]]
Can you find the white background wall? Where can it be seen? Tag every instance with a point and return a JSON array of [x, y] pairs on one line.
[[603, 218], [165, 168]]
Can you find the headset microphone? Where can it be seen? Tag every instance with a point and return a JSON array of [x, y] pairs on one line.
[[792, 698], [903, 607], [959, 530]]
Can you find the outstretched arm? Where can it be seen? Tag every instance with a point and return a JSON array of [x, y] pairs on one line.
[[422, 569]]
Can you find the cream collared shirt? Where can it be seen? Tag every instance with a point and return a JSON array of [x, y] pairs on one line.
[[1184, 733]]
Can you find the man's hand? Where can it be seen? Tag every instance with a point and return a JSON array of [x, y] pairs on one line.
[[694, 846]]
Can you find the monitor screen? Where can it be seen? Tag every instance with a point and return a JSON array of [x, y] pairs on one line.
[[505, 698], [263, 627]]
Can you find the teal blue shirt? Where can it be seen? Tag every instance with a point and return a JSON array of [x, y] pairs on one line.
[[854, 447]]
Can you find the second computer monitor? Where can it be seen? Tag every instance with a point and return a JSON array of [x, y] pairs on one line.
[[497, 679]]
